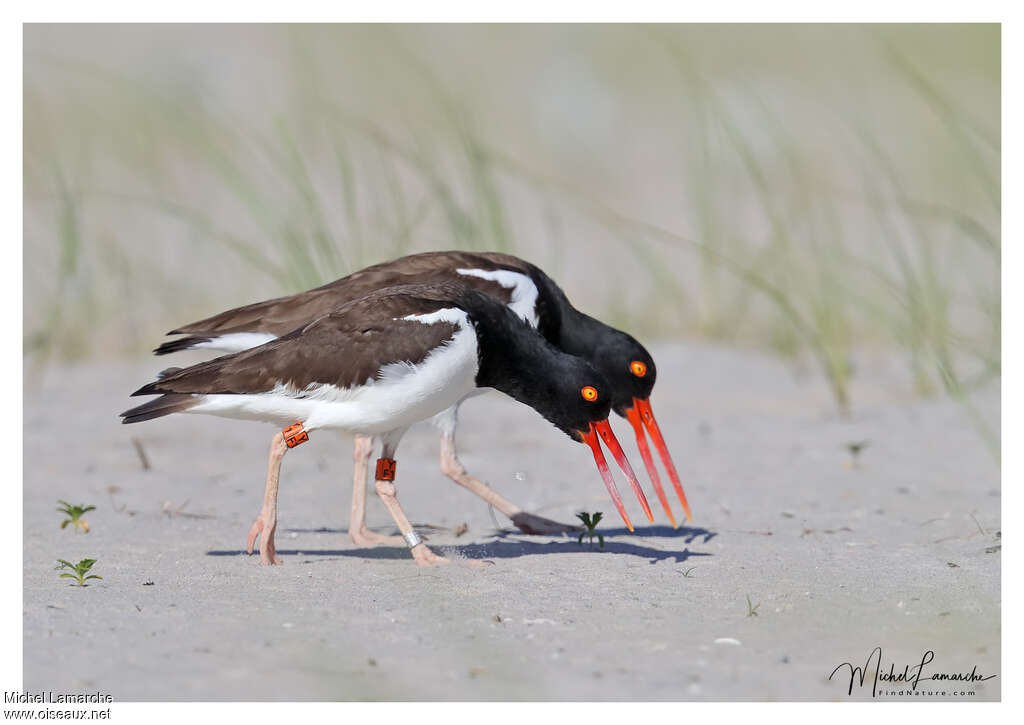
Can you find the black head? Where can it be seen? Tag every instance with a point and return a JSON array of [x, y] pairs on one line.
[[624, 362], [628, 367], [631, 373], [575, 396], [567, 390]]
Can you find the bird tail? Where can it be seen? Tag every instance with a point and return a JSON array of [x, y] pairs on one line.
[[159, 407]]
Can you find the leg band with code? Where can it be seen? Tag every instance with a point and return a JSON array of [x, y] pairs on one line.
[[386, 469]]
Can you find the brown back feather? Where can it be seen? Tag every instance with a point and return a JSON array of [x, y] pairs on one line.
[[284, 314], [343, 348]]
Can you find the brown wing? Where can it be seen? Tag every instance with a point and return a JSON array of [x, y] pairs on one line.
[[343, 348], [283, 314]]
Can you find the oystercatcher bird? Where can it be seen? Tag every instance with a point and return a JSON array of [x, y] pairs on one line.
[[527, 290], [380, 363]]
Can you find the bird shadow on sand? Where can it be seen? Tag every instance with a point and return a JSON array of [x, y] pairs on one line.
[[514, 548], [386, 530], [506, 546], [689, 534]]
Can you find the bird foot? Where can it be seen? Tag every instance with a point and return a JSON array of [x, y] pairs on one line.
[[264, 527], [479, 563], [425, 557], [365, 537], [538, 525]]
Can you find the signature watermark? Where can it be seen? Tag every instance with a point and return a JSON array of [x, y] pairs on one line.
[[907, 679]]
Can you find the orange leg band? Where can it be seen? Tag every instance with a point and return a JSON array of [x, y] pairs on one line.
[[386, 469], [294, 435]]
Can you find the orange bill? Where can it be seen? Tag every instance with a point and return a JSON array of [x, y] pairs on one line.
[[603, 431], [645, 453], [642, 409], [590, 438]]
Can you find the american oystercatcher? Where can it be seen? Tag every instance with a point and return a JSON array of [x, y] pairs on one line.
[[378, 364], [528, 291]]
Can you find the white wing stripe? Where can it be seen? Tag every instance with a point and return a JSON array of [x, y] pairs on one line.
[[524, 292]]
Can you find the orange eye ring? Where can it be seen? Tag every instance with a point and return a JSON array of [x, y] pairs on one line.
[[589, 393], [638, 368]]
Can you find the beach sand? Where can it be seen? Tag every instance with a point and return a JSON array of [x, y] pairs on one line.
[[837, 559]]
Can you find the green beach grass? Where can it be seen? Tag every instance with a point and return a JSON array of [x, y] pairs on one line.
[[816, 191]]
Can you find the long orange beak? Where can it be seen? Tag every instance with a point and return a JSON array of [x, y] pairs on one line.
[[603, 430], [633, 415], [641, 416]]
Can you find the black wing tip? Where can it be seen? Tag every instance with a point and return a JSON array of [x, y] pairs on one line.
[[147, 389], [129, 416], [184, 343]]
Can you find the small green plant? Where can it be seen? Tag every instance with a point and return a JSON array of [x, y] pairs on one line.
[[751, 607], [855, 449], [81, 569], [74, 514], [591, 523]]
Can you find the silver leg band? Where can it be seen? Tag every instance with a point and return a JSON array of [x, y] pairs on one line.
[[413, 539]]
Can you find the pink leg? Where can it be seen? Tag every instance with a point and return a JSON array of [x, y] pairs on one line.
[[388, 495], [357, 531], [266, 522], [420, 552], [528, 523]]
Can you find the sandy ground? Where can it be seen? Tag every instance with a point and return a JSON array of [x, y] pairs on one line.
[[837, 560]]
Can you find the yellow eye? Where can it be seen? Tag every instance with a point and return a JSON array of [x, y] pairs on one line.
[[638, 368], [589, 393]]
